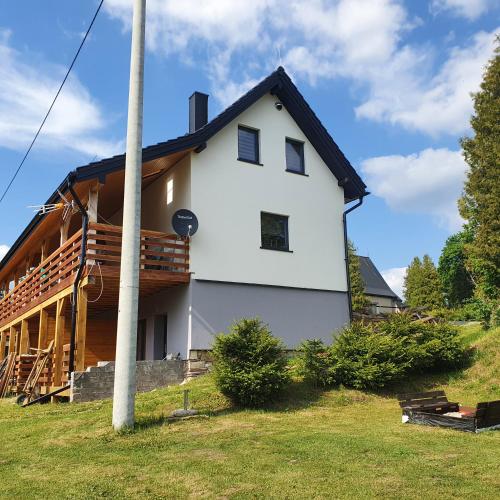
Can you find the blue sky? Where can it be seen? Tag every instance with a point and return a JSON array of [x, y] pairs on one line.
[[391, 81]]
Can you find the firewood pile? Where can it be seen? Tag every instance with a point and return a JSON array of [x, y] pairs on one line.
[[419, 315]]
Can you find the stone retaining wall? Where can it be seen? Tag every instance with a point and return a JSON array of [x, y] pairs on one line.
[[97, 382]]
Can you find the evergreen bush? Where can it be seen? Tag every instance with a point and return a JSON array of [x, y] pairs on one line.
[[314, 362], [250, 365], [372, 356]]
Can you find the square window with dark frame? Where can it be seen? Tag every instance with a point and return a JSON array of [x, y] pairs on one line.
[[274, 231], [294, 156], [248, 144]]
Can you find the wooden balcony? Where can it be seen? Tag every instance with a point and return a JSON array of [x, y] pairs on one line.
[[164, 263]]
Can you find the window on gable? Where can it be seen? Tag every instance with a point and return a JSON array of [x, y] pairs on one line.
[[170, 191], [294, 156], [274, 231], [248, 144]]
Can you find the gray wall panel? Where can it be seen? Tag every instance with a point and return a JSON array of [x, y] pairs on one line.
[[292, 314]]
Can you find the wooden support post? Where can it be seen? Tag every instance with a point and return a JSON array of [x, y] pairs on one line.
[[64, 231], [3, 340], [93, 201], [92, 204], [29, 261], [12, 340], [42, 329], [43, 251], [58, 342], [25, 338], [81, 329]]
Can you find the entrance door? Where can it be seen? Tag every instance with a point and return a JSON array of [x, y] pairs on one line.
[[160, 337], [141, 340]]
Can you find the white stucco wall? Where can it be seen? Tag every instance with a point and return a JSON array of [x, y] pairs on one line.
[[228, 195]]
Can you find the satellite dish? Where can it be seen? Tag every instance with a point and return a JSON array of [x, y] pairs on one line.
[[184, 222]]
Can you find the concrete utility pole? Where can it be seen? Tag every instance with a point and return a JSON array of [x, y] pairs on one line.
[[126, 336]]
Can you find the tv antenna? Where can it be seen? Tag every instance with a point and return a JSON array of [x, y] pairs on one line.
[[67, 206]]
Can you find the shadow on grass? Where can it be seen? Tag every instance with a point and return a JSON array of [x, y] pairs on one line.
[[297, 395], [422, 382]]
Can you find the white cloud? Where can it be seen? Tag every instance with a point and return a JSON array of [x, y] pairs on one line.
[[395, 279], [470, 9], [428, 182], [26, 91], [3, 250], [404, 95], [360, 40]]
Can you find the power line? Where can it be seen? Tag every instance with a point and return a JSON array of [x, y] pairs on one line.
[[53, 102]]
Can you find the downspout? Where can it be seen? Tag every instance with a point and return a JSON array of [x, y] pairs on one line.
[[346, 251], [76, 283]]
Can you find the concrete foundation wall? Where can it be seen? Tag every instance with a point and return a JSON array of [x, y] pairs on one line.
[[97, 382], [293, 314]]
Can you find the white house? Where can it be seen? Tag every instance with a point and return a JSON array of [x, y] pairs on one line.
[[269, 187]]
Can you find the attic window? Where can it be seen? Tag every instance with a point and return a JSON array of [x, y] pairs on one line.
[[294, 151], [248, 144]]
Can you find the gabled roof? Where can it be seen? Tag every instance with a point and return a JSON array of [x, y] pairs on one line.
[[373, 280], [278, 83]]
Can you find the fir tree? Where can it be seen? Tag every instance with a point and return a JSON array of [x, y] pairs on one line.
[[455, 278], [359, 299], [480, 203], [412, 283], [422, 287]]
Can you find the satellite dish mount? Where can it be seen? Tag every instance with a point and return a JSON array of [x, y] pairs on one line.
[[185, 223]]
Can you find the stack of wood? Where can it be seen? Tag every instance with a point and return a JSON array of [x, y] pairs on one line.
[[30, 389], [419, 315], [45, 379], [368, 318], [22, 370], [65, 364]]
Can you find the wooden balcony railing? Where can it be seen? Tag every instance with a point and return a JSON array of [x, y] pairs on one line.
[[53, 274], [161, 253]]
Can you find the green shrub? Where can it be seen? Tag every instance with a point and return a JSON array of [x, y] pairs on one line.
[[372, 356], [474, 309], [250, 366], [314, 363], [362, 358], [427, 346]]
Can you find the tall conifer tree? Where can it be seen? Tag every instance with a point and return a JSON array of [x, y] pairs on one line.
[[359, 299], [422, 286], [480, 203]]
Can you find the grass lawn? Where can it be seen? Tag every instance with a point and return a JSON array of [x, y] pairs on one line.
[[334, 444]]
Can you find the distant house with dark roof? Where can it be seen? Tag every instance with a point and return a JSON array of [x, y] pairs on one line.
[[382, 298]]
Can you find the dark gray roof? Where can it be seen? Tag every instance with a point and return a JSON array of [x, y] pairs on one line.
[[373, 280]]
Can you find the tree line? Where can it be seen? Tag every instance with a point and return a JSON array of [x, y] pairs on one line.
[[467, 277]]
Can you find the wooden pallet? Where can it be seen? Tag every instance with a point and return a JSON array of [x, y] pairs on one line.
[[432, 402]]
